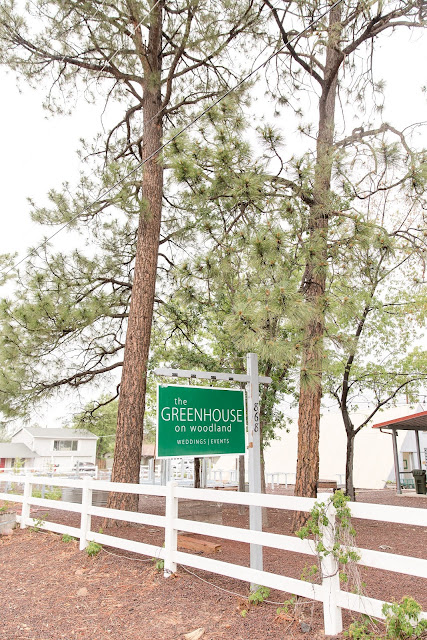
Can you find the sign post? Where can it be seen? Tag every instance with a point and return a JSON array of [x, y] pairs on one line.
[[223, 422], [254, 456]]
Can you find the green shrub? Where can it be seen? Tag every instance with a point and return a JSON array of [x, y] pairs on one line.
[[55, 493], [38, 523], [93, 548], [159, 564], [67, 538], [258, 596], [288, 606], [403, 620]]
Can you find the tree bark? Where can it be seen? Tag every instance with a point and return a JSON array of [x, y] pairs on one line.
[[348, 424], [314, 279], [241, 467], [349, 482], [127, 455], [197, 482]]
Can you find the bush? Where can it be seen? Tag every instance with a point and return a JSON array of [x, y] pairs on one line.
[[403, 620], [55, 493], [93, 548], [67, 538]]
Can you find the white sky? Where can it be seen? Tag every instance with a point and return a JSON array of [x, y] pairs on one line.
[[39, 153], [39, 150]]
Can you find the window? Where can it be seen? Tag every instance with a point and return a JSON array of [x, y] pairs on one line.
[[65, 445]]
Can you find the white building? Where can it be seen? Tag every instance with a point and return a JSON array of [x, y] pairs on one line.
[[48, 449], [373, 457], [373, 451]]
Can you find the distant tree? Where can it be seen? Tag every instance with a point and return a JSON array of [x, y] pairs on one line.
[[100, 419], [4, 435]]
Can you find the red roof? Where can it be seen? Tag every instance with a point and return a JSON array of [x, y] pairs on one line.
[[415, 422]]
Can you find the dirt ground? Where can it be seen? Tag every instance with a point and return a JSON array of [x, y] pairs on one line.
[[49, 590]]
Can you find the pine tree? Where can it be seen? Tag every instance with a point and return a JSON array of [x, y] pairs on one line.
[[324, 54], [156, 59], [233, 284]]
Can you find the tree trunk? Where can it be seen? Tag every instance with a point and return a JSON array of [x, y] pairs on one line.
[[241, 467], [349, 486], [265, 521], [127, 455], [349, 461], [197, 482], [263, 484], [314, 280]]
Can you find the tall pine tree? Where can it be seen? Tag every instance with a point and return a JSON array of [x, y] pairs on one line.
[[157, 59], [325, 59]]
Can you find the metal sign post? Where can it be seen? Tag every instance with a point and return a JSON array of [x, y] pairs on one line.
[[254, 451], [252, 380], [208, 375]]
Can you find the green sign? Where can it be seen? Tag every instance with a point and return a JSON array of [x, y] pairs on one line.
[[199, 421]]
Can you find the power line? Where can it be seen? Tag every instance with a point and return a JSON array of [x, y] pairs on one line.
[[177, 135], [107, 61], [94, 15]]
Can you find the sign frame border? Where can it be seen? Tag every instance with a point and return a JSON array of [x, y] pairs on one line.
[[194, 386]]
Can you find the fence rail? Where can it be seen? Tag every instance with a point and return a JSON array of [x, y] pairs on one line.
[[328, 592]]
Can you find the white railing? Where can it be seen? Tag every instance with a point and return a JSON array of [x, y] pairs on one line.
[[54, 473], [222, 476], [273, 478], [328, 592]]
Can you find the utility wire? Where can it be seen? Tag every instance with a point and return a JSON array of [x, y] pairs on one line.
[[78, 52], [108, 60], [174, 137]]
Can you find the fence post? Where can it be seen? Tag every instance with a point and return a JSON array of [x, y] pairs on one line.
[[85, 520], [165, 471], [332, 615], [25, 511], [171, 534]]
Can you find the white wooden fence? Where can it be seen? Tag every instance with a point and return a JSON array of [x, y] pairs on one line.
[[328, 592]]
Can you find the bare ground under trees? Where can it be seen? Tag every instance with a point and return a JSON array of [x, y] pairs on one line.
[[50, 590]]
